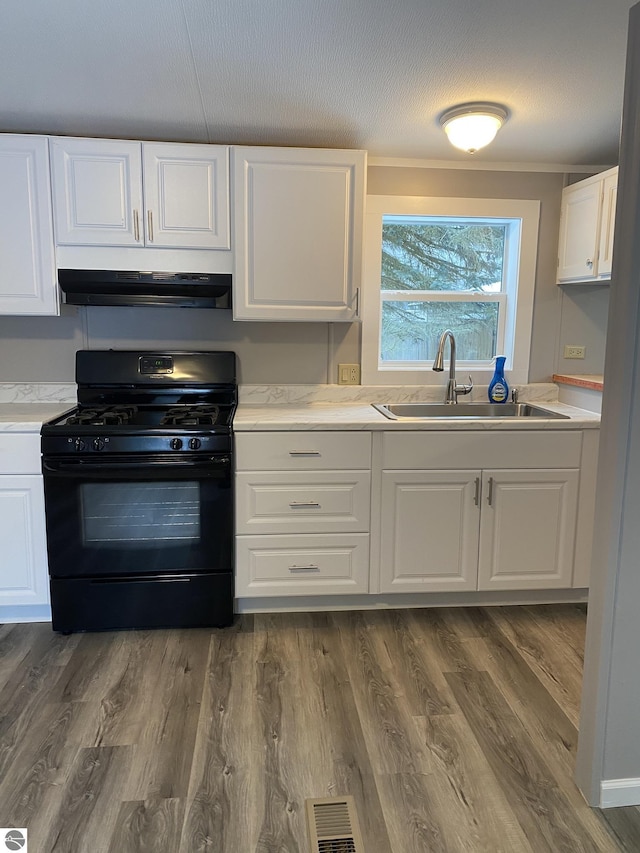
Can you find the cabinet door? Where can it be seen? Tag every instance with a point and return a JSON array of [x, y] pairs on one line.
[[27, 267], [23, 569], [578, 243], [527, 529], [429, 531], [97, 192], [298, 233], [186, 190], [607, 224]]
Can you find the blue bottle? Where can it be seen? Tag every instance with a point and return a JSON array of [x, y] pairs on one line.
[[498, 388]]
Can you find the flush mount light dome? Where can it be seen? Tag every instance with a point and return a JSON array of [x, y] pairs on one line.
[[472, 126]]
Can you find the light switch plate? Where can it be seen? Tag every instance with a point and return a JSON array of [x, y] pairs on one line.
[[348, 374]]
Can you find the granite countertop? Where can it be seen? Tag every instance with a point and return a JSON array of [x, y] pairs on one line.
[[25, 406], [29, 417], [331, 407], [251, 417]]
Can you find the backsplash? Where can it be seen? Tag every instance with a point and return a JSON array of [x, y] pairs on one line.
[[297, 394], [37, 392], [63, 392]]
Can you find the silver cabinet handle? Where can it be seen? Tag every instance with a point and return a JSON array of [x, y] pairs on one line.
[[490, 495], [150, 225], [476, 498], [136, 226], [299, 504], [310, 568], [304, 453]]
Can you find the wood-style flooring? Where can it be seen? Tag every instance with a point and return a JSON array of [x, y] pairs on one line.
[[454, 729]]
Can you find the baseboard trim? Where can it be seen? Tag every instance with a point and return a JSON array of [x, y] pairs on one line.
[[619, 792], [377, 601], [14, 613]]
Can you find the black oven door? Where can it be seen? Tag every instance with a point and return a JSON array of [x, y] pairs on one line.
[[136, 515]]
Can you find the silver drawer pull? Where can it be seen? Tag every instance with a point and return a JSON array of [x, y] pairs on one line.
[[298, 504], [309, 568], [304, 453]]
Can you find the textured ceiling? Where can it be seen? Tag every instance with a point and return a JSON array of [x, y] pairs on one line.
[[371, 74]]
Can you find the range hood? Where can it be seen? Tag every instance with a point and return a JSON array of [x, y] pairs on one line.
[[131, 287]]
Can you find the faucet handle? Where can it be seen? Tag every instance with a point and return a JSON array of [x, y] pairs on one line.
[[465, 389]]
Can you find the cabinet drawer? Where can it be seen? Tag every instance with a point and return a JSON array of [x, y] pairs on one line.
[[478, 449], [20, 453], [302, 565], [302, 451], [292, 502]]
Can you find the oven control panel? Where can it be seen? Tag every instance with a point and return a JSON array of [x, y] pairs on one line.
[[149, 443], [155, 365]]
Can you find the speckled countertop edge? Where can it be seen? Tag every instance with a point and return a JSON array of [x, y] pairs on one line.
[[591, 381]]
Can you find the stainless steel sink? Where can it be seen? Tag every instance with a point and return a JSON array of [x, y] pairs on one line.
[[398, 411]]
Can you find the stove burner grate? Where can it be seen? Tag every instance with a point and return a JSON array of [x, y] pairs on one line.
[[200, 415], [102, 416]]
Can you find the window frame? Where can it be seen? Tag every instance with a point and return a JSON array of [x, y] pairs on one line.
[[520, 262]]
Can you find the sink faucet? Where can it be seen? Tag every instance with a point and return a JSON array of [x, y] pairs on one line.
[[453, 389]]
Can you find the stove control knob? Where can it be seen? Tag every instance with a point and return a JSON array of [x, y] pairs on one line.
[[79, 444], [176, 443], [195, 443], [98, 443]]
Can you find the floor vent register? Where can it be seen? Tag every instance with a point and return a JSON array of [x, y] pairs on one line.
[[333, 825]]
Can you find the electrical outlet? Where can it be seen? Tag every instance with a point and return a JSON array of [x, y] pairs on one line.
[[348, 374], [573, 352]]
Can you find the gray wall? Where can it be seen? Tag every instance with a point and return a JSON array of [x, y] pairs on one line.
[[583, 322], [561, 315], [43, 349], [609, 742]]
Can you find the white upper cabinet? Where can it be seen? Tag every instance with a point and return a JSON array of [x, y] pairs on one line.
[[586, 229], [186, 190], [123, 193], [97, 192], [298, 216], [27, 267], [607, 223]]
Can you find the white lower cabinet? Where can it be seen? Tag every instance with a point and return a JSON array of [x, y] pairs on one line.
[[429, 531], [527, 529], [302, 513], [302, 565], [465, 530], [23, 565], [481, 527], [434, 511]]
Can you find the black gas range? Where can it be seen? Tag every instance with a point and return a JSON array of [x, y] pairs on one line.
[[139, 492]]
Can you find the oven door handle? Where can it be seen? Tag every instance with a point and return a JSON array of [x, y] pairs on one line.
[[111, 469]]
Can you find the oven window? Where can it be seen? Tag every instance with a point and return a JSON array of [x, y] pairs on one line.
[[140, 514]]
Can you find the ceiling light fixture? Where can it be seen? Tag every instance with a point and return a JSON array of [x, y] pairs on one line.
[[472, 126]]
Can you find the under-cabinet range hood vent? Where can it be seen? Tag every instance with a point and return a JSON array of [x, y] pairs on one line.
[[131, 287]]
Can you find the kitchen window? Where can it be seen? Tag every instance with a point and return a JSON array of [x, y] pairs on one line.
[[437, 263]]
